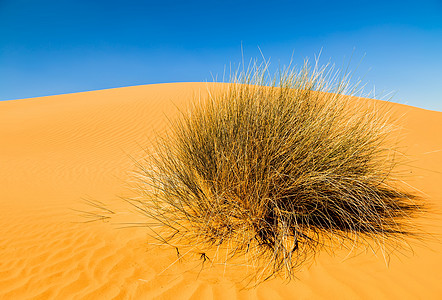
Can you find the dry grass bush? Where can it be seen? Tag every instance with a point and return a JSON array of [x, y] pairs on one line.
[[277, 171]]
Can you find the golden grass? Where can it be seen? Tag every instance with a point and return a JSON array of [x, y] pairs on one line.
[[276, 172]]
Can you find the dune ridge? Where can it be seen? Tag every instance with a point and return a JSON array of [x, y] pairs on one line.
[[58, 150]]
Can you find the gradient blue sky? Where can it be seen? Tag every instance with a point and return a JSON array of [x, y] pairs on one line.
[[52, 47]]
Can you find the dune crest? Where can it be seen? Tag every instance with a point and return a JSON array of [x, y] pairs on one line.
[[58, 150]]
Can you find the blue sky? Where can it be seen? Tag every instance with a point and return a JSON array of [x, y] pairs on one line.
[[52, 47]]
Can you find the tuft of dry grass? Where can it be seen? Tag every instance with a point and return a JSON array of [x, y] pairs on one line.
[[277, 170]]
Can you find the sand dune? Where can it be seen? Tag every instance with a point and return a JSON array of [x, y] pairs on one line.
[[57, 150]]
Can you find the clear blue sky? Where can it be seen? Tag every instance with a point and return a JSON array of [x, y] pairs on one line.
[[52, 47]]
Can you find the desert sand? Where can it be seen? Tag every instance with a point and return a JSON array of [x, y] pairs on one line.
[[57, 151]]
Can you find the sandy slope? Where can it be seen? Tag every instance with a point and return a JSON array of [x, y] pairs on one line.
[[58, 150]]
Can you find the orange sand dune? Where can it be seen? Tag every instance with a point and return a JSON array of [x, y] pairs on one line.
[[56, 151]]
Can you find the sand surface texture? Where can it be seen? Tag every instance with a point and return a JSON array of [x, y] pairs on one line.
[[57, 151]]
